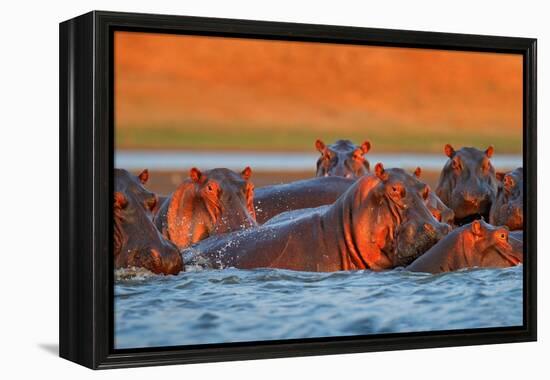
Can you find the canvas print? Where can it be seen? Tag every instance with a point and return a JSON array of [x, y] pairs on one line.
[[273, 190]]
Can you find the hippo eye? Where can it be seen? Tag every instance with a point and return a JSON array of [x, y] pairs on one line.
[[210, 188], [397, 190], [503, 235]]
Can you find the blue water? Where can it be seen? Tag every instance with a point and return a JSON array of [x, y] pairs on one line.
[[232, 305], [278, 161]]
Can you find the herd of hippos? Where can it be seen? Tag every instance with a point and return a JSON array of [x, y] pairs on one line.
[[346, 218]]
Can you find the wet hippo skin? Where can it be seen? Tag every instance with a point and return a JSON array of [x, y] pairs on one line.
[[467, 183], [508, 207], [137, 243], [477, 244], [270, 201], [207, 203], [127, 183], [276, 199], [380, 222], [342, 159]]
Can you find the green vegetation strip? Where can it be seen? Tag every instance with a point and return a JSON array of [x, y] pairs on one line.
[[276, 138]]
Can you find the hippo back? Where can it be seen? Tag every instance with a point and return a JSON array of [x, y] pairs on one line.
[[270, 201]]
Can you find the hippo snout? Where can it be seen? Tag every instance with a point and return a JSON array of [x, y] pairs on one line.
[[409, 232], [437, 231], [166, 259], [514, 219], [429, 228], [472, 199], [469, 204]]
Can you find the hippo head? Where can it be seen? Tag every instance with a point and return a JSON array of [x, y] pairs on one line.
[[415, 229], [438, 209], [127, 183], [208, 203], [476, 244], [227, 197], [489, 246], [468, 183], [508, 206], [136, 240], [342, 159]]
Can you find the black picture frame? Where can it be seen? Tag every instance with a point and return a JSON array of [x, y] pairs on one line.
[[86, 185]]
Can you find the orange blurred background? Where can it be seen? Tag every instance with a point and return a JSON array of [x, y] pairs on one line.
[[192, 92]]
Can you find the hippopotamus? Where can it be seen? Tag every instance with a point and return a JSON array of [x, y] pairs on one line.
[[127, 183], [468, 183], [476, 244], [207, 203], [343, 159], [380, 222], [438, 209], [160, 202], [137, 242], [508, 206], [308, 193], [286, 200], [515, 238]]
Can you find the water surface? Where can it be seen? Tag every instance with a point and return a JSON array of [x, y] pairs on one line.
[[232, 305], [278, 161]]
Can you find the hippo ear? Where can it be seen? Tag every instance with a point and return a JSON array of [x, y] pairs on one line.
[[489, 151], [365, 147], [246, 173], [449, 151], [120, 200], [417, 172], [144, 176], [195, 174], [320, 146], [476, 228], [380, 171]]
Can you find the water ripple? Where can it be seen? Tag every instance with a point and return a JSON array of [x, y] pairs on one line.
[[234, 305]]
